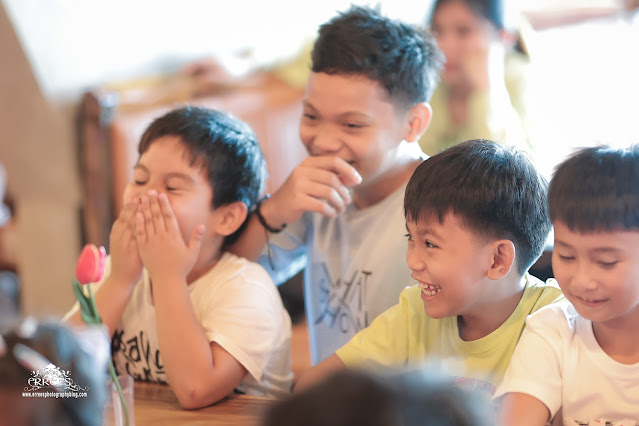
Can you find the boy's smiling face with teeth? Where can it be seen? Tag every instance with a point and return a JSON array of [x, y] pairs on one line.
[[449, 263], [428, 289]]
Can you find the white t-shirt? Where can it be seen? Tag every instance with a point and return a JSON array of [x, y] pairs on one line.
[[355, 268], [559, 362], [240, 309]]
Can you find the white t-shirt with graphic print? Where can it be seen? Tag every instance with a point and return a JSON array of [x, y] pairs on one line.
[[355, 268], [240, 309]]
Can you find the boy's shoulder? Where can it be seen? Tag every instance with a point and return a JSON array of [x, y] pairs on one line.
[[236, 283], [538, 294], [236, 271], [560, 326], [560, 316]]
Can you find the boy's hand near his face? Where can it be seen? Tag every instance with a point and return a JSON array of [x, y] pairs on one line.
[[126, 270], [162, 247], [319, 184], [200, 372], [126, 264]]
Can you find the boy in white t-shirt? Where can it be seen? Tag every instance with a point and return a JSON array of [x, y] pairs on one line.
[[579, 363], [179, 307]]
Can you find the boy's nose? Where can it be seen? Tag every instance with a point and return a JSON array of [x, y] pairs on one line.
[[325, 141], [147, 189], [584, 279], [414, 262]]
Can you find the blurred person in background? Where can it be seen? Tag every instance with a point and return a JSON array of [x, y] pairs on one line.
[[483, 86]]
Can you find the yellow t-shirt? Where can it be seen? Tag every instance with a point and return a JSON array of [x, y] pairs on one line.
[[405, 336], [500, 114]]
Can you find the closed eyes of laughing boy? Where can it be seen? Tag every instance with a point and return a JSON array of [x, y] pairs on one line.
[[175, 216]]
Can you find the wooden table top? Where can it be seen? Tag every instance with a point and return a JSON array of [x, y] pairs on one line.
[[156, 404]]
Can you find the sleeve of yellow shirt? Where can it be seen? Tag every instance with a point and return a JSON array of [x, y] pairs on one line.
[[384, 342]]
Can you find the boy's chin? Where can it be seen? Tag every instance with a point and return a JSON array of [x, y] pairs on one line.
[[434, 313]]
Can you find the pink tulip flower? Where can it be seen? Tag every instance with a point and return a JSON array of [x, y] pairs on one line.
[[90, 266]]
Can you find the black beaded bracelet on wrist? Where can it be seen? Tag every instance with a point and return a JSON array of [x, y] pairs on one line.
[[258, 213]]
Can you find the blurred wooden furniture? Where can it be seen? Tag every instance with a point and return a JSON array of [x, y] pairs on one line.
[[156, 404], [112, 119]]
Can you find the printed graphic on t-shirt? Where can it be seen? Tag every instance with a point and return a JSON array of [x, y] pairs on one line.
[[475, 383], [138, 358], [600, 422], [343, 302]]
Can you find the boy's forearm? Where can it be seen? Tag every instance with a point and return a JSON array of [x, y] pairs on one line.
[[319, 372], [183, 343], [252, 240], [520, 409], [187, 356]]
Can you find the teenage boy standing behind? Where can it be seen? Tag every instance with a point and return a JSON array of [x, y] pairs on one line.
[[476, 219], [338, 215]]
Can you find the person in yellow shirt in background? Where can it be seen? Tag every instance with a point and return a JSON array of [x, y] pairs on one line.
[[477, 219], [482, 91]]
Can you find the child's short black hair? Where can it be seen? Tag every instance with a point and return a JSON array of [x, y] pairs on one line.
[[495, 190], [357, 397], [226, 147], [597, 189], [402, 59]]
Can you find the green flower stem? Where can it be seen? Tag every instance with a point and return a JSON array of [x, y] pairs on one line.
[[116, 382], [94, 306], [83, 301]]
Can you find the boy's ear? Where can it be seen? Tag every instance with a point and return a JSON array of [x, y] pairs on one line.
[[230, 217], [418, 118], [503, 259]]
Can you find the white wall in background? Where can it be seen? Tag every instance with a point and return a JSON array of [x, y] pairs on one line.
[[74, 44]]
